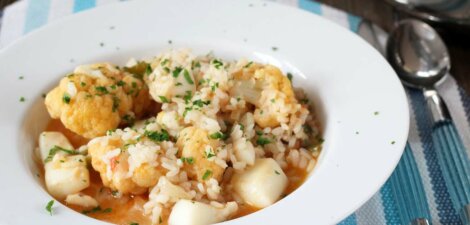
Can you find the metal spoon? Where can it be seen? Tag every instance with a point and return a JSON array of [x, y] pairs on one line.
[[420, 58]]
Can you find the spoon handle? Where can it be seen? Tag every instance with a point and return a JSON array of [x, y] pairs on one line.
[[408, 190], [455, 165]]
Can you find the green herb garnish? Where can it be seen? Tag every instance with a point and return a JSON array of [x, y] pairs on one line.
[[201, 103], [289, 76], [66, 98], [56, 149], [164, 99], [177, 71], [101, 90], [49, 207], [116, 103], [120, 83], [207, 174], [217, 64], [165, 61], [263, 141], [217, 135], [187, 76], [187, 97], [157, 136], [188, 160]]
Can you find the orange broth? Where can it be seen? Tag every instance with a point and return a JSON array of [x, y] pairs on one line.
[[128, 209]]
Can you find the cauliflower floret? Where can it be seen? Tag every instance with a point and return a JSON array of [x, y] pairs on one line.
[[95, 98], [171, 76], [127, 160], [196, 145], [269, 90]]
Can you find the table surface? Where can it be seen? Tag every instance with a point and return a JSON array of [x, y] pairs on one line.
[[383, 14]]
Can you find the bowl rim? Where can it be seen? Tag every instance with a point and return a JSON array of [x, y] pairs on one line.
[[17, 138]]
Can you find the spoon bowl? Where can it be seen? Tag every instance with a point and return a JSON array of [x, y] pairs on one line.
[[418, 54]]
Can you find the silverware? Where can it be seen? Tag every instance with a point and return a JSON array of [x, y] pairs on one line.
[[420, 57], [441, 11], [406, 182]]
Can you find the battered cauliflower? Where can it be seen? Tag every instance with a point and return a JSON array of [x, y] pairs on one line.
[[95, 98], [128, 160], [171, 76], [198, 148], [268, 89]]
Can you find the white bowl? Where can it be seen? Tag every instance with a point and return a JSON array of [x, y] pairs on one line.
[[347, 79]]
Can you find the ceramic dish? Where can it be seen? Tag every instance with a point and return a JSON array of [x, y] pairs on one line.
[[360, 102]]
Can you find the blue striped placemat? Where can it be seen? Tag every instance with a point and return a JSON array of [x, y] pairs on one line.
[[25, 16]]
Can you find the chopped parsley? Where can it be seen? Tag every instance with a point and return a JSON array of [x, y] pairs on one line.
[[277, 172], [96, 210], [187, 76], [393, 142], [217, 135], [207, 174], [164, 62], [49, 207], [101, 90], [258, 132], [214, 86], [263, 141], [320, 140], [376, 113], [107, 210], [170, 42], [186, 110], [166, 69], [83, 84], [304, 101], [157, 136], [21, 77], [22, 99], [289, 76], [148, 70], [248, 64], [134, 223], [164, 99], [274, 48], [195, 64], [66, 98], [217, 63], [209, 154], [188, 160], [101, 44], [273, 100], [120, 83], [177, 71], [178, 84], [116, 103], [242, 127], [113, 87], [308, 129], [187, 97], [201, 103], [56, 149]]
